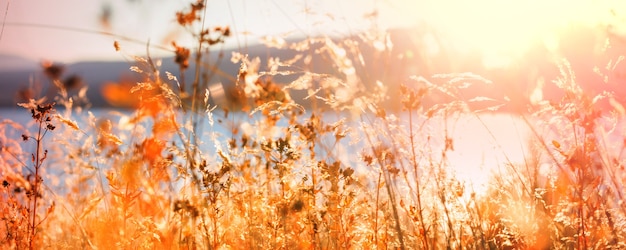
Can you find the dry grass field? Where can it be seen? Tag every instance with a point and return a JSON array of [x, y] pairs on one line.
[[265, 171]]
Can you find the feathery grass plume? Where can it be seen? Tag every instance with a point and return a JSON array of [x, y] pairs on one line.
[[305, 157]]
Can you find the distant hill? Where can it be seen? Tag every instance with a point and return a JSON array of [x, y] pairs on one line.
[[24, 73], [408, 57], [16, 63]]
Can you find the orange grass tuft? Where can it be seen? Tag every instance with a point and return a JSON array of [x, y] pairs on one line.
[[268, 172]]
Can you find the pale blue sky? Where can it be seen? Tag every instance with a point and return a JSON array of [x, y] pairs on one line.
[[496, 27], [154, 20]]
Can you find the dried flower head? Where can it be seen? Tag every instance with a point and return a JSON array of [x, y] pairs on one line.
[[25, 94], [73, 81], [182, 56], [52, 70], [187, 18]]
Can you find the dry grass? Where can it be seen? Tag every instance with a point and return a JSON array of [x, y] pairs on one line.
[[179, 173]]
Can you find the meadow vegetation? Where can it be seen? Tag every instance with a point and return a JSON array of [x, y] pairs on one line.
[[266, 172]]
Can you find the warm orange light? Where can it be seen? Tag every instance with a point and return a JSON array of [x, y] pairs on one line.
[[501, 30]]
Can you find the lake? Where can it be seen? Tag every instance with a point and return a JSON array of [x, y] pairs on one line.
[[483, 144]]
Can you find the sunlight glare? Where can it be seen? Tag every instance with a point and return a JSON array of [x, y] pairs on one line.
[[500, 30], [484, 151]]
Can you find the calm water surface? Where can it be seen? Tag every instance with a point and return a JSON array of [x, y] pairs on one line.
[[483, 145]]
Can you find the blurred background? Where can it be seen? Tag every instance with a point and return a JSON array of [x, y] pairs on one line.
[[521, 46], [516, 44]]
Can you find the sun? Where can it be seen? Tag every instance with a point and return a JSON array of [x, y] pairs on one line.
[[501, 30]]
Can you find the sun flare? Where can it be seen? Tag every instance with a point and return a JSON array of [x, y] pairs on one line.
[[502, 30], [403, 124]]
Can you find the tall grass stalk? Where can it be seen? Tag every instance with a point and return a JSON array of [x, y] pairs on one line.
[[304, 159]]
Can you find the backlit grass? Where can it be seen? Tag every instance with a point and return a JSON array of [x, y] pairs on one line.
[[331, 170]]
